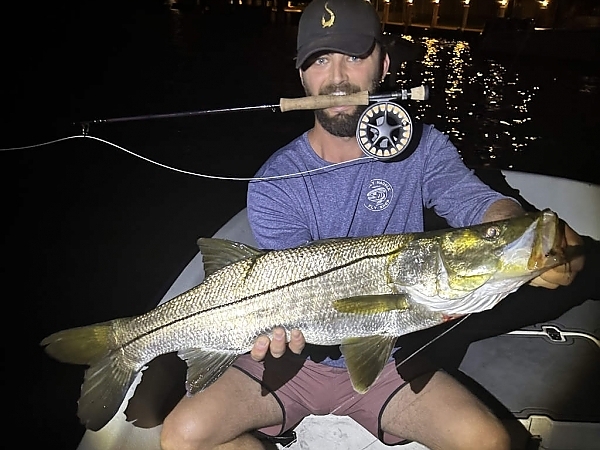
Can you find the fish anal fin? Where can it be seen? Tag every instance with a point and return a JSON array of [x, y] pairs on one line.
[[371, 304], [204, 367], [366, 358], [218, 253], [104, 388]]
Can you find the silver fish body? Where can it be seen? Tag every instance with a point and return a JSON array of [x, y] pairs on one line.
[[361, 293], [294, 288]]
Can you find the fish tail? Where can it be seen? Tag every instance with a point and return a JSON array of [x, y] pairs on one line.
[[82, 345], [110, 375]]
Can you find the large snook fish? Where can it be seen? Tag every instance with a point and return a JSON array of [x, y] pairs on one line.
[[361, 293]]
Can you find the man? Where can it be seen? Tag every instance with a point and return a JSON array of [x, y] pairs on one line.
[[340, 52]]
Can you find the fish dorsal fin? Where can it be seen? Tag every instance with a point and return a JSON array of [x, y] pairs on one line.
[[365, 359], [218, 253], [204, 367], [371, 304]]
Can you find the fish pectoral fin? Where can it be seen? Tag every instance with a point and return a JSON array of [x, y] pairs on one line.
[[370, 304], [467, 283], [204, 367], [218, 253], [366, 358]]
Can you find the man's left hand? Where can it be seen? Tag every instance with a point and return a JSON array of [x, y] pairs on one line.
[[565, 274]]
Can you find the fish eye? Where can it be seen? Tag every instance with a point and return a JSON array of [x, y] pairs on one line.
[[491, 233]]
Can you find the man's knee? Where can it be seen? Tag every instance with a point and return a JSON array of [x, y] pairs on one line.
[[181, 433]]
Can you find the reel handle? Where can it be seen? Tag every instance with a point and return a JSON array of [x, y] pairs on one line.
[[418, 93], [323, 101]]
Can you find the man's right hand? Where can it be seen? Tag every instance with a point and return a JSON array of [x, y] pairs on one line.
[[277, 346]]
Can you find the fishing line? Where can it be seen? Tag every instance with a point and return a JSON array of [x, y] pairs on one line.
[[408, 357], [459, 321], [362, 159], [38, 145]]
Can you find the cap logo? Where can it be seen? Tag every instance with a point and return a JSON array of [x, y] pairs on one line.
[[326, 23]]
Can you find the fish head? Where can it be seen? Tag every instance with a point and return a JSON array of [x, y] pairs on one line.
[[516, 248]]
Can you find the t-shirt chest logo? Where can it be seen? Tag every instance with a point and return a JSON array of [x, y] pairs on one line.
[[379, 195]]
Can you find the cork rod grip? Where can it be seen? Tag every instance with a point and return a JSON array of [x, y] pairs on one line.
[[323, 101], [419, 93]]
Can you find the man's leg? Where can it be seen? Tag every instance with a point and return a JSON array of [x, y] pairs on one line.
[[443, 414], [220, 416]]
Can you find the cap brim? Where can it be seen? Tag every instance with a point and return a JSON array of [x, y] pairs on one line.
[[348, 44]]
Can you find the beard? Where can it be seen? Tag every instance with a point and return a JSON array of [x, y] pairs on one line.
[[341, 124]]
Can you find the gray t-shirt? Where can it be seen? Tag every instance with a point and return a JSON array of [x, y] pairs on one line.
[[364, 197]]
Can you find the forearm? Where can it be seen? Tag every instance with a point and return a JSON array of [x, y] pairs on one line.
[[502, 209]]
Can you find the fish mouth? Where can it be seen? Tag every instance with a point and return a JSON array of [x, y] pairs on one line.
[[548, 247]]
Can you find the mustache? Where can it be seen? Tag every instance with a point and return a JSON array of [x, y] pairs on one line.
[[344, 88]]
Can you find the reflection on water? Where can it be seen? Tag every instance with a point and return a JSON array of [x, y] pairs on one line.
[[589, 85], [510, 113], [500, 106], [495, 111]]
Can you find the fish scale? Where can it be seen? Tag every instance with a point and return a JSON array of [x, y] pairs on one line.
[[299, 300]]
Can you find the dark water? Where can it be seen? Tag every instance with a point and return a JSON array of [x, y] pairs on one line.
[[93, 233]]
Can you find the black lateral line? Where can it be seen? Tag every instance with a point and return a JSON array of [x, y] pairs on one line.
[[333, 269]]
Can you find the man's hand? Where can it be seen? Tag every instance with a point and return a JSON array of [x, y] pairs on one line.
[[565, 274], [278, 345]]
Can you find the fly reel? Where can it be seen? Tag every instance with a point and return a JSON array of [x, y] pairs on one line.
[[385, 130]]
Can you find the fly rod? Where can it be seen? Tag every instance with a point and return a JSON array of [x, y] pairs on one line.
[[286, 104]]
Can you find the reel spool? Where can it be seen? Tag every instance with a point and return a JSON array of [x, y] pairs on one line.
[[385, 130]]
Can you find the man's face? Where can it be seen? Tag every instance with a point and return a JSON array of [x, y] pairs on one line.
[[336, 73]]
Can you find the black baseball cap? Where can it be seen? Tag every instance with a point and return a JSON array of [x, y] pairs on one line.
[[342, 26]]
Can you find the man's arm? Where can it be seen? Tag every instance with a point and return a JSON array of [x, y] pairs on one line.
[[502, 209]]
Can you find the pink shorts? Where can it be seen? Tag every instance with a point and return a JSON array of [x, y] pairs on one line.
[[320, 389]]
